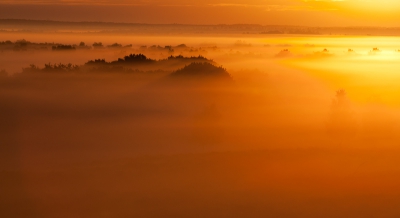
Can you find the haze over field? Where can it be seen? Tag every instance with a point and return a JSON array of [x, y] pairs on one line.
[[138, 120]]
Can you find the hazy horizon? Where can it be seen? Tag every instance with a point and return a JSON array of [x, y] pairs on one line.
[[280, 12], [192, 24]]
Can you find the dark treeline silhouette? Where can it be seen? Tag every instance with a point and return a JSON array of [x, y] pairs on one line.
[[181, 49], [171, 49], [63, 48], [8, 42], [130, 59], [188, 58], [143, 59], [117, 45], [23, 45], [133, 63]]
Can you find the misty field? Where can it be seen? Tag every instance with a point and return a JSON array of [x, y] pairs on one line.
[[211, 126]]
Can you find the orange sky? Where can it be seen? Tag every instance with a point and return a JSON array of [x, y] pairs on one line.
[[280, 12]]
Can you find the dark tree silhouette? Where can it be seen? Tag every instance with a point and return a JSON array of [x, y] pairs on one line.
[[98, 45], [341, 123], [135, 58], [22, 43], [115, 45], [8, 42], [181, 46]]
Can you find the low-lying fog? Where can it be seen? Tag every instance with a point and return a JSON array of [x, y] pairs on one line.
[[199, 127]]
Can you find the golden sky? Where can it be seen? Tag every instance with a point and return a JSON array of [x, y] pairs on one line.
[[279, 12]]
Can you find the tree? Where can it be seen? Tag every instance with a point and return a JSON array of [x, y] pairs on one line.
[[341, 123], [98, 45]]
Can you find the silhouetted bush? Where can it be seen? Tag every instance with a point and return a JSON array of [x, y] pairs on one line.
[[97, 45], [115, 45], [82, 45], [181, 46], [22, 43], [135, 58], [374, 51], [8, 42]]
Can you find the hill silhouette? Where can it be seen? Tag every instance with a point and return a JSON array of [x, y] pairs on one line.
[[188, 90], [201, 70]]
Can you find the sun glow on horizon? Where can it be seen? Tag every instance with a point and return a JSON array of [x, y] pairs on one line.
[[364, 66]]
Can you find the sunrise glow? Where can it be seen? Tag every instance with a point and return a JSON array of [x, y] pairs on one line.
[[203, 109]]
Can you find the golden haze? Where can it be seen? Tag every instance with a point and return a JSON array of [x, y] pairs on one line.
[[138, 120]]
